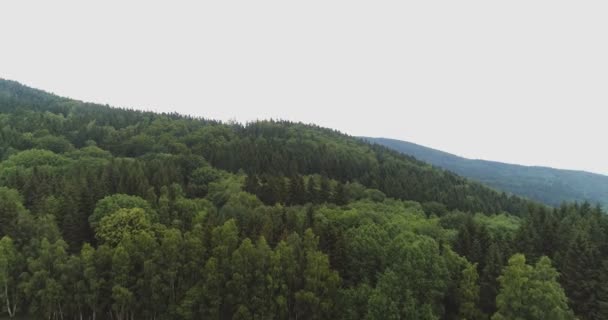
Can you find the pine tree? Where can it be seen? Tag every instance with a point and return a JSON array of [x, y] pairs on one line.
[[325, 190], [312, 192], [252, 184], [317, 298], [339, 196], [602, 293], [489, 278], [580, 276], [297, 192]]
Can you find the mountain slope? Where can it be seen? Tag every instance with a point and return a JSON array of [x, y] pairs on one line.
[[122, 214], [547, 185], [275, 148]]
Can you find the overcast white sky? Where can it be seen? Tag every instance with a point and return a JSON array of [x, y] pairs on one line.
[[516, 81]]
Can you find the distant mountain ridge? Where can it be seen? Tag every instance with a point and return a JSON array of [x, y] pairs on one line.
[[548, 185]]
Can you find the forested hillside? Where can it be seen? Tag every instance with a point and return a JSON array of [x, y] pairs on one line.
[[546, 185], [118, 214]]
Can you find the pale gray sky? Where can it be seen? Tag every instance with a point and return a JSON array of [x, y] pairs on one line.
[[515, 81]]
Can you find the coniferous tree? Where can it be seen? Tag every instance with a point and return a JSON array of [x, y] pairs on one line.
[[489, 278], [123, 214], [297, 192], [252, 184], [602, 293], [312, 191], [339, 196], [325, 190], [580, 277]]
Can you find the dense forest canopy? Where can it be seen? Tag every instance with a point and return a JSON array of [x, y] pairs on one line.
[[546, 185], [120, 214]]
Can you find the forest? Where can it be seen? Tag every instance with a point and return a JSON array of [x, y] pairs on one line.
[[543, 184], [109, 213]]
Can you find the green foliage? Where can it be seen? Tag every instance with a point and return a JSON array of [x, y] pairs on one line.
[[11, 207], [547, 185], [113, 203], [531, 292], [53, 143], [581, 277], [10, 267], [468, 293], [122, 214], [35, 158], [122, 223], [200, 180], [44, 283], [375, 195]]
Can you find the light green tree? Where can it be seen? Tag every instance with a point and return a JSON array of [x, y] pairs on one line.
[[121, 293], [530, 292], [10, 263], [11, 206], [43, 283], [124, 222], [468, 293], [113, 203], [92, 279]]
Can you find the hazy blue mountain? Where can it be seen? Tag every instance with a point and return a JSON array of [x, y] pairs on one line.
[[547, 185]]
